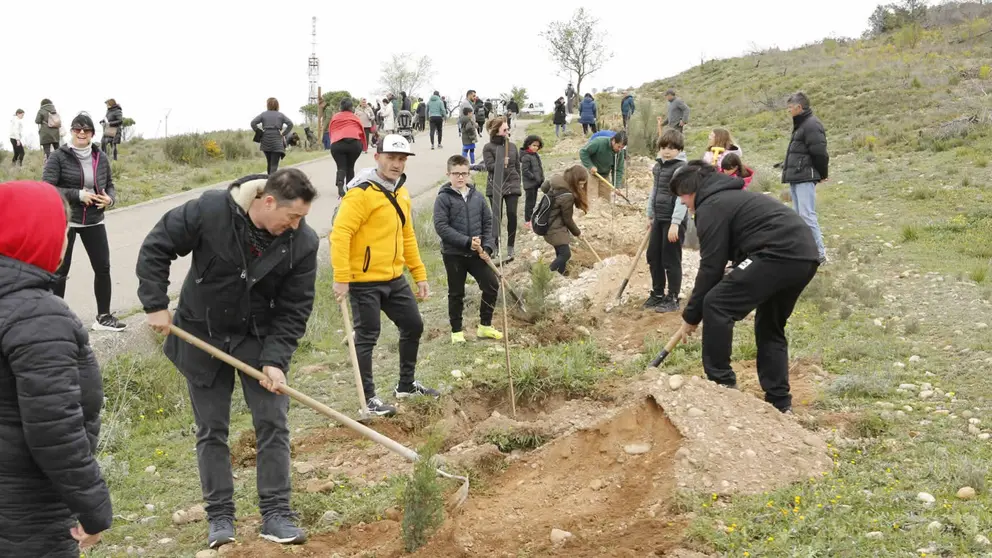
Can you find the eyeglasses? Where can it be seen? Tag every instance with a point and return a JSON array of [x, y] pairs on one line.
[[459, 174], [78, 130]]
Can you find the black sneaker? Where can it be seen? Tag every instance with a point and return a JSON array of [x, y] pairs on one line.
[[108, 322], [221, 531], [787, 411], [415, 389], [668, 304], [653, 301], [378, 408], [279, 528]]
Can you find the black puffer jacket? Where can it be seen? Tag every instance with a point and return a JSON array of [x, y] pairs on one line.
[[661, 204], [734, 224], [531, 169], [257, 309], [458, 219], [115, 118], [64, 171], [560, 115], [806, 159], [511, 173], [50, 398]]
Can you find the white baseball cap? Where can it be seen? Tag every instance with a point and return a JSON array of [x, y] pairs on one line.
[[394, 143]]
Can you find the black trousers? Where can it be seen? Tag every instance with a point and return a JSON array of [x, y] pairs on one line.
[[626, 120], [773, 287], [269, 416], [437, 123], [458, 267], [346, 153], [368, 138], [530, 199], [109, 146], [509, 217], [18, 151], [98, 249], [562, 254], [272, 159], [49, 147], [480, 124], [395, 299], [665, 259], [586, 127]]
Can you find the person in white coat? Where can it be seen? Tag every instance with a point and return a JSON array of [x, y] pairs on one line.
[[17, 138], [388, 118]]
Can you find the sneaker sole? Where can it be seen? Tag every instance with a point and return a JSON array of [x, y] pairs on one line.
[[401, 395], [221, 542], [299, 539], [381, 413], [101, 327]]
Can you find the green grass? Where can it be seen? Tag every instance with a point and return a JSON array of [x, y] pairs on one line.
[[149, 169]]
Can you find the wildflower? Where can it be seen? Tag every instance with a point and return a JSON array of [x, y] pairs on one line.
[[771, 539], [142, 417]]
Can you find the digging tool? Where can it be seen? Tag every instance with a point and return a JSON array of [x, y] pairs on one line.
[[591, 249], [633, 265], [349, 333], [499, 175], [607, 182], [460, 496], [517, 299], [669, 347]]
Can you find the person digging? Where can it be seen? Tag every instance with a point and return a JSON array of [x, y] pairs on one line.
[[774, 258], [372, 240], [606, 156], [249, 292]]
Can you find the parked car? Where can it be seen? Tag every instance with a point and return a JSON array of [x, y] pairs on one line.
[[535, 109]]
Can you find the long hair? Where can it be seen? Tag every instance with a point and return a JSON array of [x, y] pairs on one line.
[[721, 138], [732, 160], [577, 179], [494, 126]]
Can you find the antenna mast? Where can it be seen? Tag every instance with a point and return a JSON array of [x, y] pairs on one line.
[[314, 70]]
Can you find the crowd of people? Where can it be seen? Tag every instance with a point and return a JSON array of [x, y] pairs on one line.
[[250, 289]]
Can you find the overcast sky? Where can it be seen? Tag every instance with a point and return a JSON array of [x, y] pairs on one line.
[[213, 63]]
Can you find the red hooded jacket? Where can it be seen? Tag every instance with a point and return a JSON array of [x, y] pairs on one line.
[[345, 125], [34, 217]]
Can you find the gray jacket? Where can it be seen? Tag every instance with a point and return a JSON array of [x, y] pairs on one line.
[[677, 110], [271, 123]]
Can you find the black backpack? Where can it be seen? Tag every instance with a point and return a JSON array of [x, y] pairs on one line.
[[541, 219]]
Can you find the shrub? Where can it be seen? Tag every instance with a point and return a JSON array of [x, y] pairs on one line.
[[236, 149], [910, 233], [213, 150], [909, 36], [642, 130], [916, 83], [985, 72], [423, 504], [186, 149]]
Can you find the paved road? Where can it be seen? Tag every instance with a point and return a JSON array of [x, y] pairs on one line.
[[127, 227]]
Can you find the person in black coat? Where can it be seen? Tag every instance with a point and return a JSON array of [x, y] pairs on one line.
[[274, 127], [774, 258], [55, 500], [499, 135], [560, 117], [464, 223], [81, 173], [806, 164], [532, 171], [112, 128], [249, 292]]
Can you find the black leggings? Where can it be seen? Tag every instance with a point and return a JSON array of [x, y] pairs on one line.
[[49, 147], [109, 146], [562, 254], [368, 138], [665, 259], [98, 249], [530, 199], [437, 123], [18, 151], [272, 159], [509, 217], [346, 153]]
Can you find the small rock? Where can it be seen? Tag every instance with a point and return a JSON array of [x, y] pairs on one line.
[[874, 535], [944, 412], [210, 553], [558, 536], [899, 364], [981, 325], [596, 484], [131, 550], [150, 507], [885, 404], [984, 436], [637, 449], [907, 408], [926, 394], [150, 469], [179, 518], [583, 331], [682, 453], [966, 493], [878, 322], [935, 526], [330, 517], [982, 540], [393, 514], [304, 468], [926, 498], [750, 453], [972, 420], [165, 541], [972, 429], [695, 412], [914, 359], [675, 382], [967, 414], [315, 486], [925, 386], [908, 386], [456, 374]]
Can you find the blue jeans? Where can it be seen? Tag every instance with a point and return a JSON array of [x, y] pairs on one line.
[[560, 127], [804, 201]]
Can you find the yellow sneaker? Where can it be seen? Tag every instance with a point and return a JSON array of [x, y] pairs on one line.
[[488, 332], [458, 337]]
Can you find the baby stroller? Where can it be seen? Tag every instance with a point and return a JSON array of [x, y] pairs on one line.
[[404, 125]]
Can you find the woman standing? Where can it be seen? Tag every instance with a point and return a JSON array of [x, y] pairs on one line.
[[560, 120], [17, 138], [388, 117], [499, 134], [49, 127], [348, 141], [587, 114], [367, 117], [112, 127], [83, 177], [55, 501], [275, 127], [567, 191]]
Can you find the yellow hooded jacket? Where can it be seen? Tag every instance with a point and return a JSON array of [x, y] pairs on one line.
[[369, 241]]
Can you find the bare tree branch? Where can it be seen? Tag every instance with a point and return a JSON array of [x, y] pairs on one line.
[[402, 72], [578, 46]]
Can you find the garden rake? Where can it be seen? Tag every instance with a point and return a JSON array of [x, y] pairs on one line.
[[459, 497]]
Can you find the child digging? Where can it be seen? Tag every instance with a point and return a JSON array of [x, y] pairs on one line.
[[464, 222], [469, 133], [666, 221], [533, 174], [567, 191]]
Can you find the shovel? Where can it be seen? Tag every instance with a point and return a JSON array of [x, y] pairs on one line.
[[633, 265], [458, 499], [607, 182], [669, 347], [349, 334], [517, 299], [591, 249]]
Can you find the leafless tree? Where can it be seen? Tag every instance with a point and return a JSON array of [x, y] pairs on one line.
[[578, 46], [403, 72]]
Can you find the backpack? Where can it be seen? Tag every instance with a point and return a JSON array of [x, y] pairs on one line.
[[54, 120], [541, 219]]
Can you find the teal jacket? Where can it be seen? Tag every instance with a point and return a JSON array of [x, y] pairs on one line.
[[435, 107], [599, 153]]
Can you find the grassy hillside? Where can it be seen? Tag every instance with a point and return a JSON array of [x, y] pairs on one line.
[[149, 169]]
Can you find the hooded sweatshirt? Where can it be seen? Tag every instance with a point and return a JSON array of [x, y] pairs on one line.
[[435, 107], [37, 210]]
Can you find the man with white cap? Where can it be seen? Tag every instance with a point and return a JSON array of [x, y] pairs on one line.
[[372, 240]]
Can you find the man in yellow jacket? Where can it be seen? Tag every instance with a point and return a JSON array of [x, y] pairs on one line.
[[372, 240]]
